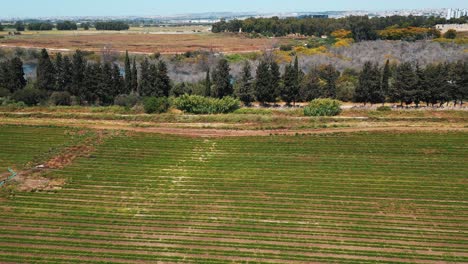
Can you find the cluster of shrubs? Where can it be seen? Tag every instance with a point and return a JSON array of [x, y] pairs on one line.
[[194, 104], [323, 107]]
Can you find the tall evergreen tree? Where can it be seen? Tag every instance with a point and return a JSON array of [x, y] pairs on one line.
[[275, 80], [244, 89], [12, 75], [222, 80], [208, 83], [330, 75], [310, 86], [134, 77], [117, 81], [376, 94], [59, 70], [92, 84], [144, 87], [264, 90], [404, 84], [386, 74], [153, 78], [290, 88], [419, 92], [128, 74], [45, 72], [63, 72], [362, 93], [163, 82], [79, 63]]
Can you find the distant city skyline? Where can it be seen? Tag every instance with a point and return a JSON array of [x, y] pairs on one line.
[[57, 8]]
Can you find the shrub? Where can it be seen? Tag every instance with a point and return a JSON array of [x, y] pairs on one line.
[[450, 34], [384, 108], [127, 100], [323, 107], [29, 95], [286, 47], [206, 105], [60, 98], [155, 105]]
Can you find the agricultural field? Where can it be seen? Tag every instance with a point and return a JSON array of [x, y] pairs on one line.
[[361, 197], [139, 40]]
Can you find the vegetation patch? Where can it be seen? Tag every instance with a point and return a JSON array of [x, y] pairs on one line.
[[195, 104], [323, 107]]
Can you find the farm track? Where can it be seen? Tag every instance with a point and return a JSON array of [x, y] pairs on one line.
[[209, 130], [380, 196]]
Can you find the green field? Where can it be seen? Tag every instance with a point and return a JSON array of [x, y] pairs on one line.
[[332, 198]]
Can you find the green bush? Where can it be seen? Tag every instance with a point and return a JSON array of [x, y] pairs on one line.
[[196, 104], [384, 108], [60, 98], [323, 107], [30, 95], [155, 105]]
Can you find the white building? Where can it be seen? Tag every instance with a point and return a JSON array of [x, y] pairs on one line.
[[456, 13]]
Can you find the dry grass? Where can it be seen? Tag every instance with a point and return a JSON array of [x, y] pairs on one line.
[[139, 42]]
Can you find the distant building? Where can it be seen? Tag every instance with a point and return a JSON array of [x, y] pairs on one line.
[[456, 13]]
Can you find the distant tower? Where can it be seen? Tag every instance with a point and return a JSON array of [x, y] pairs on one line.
[[449, 13]]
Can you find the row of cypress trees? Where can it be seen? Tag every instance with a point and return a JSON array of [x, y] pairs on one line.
[[407, 83], [100, 83]]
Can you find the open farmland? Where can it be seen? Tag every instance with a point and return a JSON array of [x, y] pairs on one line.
[[383, 197], [139, 42]]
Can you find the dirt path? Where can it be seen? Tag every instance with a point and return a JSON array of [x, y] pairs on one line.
[[163, 128]]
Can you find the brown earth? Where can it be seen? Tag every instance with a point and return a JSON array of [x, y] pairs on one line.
[[143, 43]]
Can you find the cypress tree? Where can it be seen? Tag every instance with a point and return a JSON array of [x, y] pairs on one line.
[[77, 87], [145, 81], [207, 83], [128, 74], [45, 72], [264, 91], [386, 74], [59, 77], [67, 73], [92, 84], [117, 81], [222, 80], [153, 78], [405, 82], [13, 75], [290, 90], [275, 80], [419, 93], [375, 89], [163, 82], [134, 77], [310, 86], [244, 90], [330, 75]]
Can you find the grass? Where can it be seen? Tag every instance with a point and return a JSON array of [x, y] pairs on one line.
[[343, 198], [20, 146]]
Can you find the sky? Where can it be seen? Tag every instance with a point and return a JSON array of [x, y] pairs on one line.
[[47, 8]]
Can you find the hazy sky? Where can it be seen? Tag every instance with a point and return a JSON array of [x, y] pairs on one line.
[[41, 8]]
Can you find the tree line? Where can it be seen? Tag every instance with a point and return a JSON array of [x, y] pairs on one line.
[[112, 25], [362, 27], [67, 25], [67, 78]]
